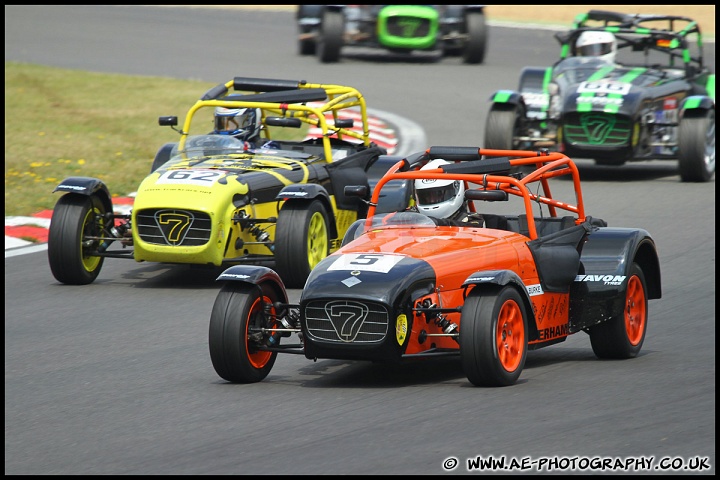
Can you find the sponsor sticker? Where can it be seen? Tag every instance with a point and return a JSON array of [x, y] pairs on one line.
[[72, 187], [480, 279], [536, 99], [600, 101], [670, 103], [604, 279], [401, 328], [533, 290], [234, 275], [350, 281]]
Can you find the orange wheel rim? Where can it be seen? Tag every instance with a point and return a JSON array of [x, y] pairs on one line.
[[258, 359], [635, 310], [510, 336]]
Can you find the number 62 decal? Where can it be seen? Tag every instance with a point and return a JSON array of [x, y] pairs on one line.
[[191, 177]]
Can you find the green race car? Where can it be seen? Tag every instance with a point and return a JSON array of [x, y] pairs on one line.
[[452, 30], [626, 88]]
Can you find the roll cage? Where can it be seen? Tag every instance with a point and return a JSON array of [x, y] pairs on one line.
[[487, 172], [287, 103], [669, 34]]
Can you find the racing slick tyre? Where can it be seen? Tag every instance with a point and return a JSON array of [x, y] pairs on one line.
[[493, 337], [502, 126], [162, 156], [302, 240], [330, 38], [474, 51], [75, 219], [237, 317], [622, 337], [696, 146]]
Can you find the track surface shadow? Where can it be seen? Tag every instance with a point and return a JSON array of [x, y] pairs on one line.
[[348, 374]]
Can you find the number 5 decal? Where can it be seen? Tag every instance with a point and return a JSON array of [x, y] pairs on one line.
[[366, 262]]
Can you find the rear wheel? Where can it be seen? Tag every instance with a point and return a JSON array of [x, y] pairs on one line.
[[302, 240], [236, 322], [330, 37], [75, 219], [696, 146], [493, 337], [474, 51], [622, 337], [502, 126]]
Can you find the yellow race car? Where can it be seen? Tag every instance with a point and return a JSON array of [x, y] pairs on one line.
[[244, 193]]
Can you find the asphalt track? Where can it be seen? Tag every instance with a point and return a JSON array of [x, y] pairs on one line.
[[115, 377]]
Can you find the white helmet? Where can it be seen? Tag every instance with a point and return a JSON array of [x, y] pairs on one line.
[[597, 44], [242, 123], [438, 198]]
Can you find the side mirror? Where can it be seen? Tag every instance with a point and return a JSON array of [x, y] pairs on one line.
[[171, 121], [283, 122], [344, 123], [356, 191], [487, 195]]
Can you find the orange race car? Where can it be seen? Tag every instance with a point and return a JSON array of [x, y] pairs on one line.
[[427, 281]]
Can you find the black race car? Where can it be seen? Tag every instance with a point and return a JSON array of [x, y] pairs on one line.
[[655, 101], [452, 30]]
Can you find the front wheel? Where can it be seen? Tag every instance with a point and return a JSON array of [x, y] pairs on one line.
[[239, 316], [696, 146], [302, 240], [474, 51], [330, 37], [622, 337], [502, 126], [493, 337], [76, 224]]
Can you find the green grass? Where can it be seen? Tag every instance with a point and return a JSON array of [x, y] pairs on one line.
[[61, 123]]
